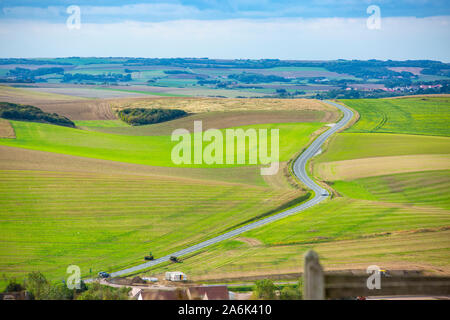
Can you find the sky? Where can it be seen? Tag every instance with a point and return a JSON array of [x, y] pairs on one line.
[[233, 29]]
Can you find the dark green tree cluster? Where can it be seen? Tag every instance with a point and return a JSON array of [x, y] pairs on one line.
[[267, 290], [256, 78], [96, 291], [14, 111], [106, 77], [177, 72], [142, 116], [22, 73], [37, 287], [40, 288]]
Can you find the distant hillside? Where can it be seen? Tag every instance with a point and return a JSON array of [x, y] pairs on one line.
[[13, 111]]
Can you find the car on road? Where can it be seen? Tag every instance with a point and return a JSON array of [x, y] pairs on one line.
[[103, 274], [324, 192], [149, 257]]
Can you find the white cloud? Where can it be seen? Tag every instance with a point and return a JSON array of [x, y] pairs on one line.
[[328, 38]]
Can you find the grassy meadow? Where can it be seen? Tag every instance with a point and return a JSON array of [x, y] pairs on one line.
[[51, 219], [420, 249], [347, 146], [148, 150], [425, 188], [103, 200], [422, 115], [103, 197], [396, 220]]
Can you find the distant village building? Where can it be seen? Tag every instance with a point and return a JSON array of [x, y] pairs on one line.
[[423, 86], [176, 276]]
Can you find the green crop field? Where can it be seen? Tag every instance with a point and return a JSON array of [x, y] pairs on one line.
[[421, 249], [416, 188], [366, 226], [396, 220], [96, 71], [102, 218], [108, 220], [346, 146], [148, 150], [349, 218], [50, 220], [101, 124], [424, 115]]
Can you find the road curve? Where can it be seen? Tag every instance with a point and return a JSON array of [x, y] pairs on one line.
[[299, 169]]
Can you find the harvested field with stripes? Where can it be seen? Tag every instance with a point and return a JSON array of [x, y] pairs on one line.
[[100, 221]]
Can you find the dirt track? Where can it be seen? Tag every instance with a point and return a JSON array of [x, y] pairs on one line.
[[6, 130]]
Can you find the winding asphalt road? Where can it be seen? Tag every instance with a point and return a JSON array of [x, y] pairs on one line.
[[299, 170]]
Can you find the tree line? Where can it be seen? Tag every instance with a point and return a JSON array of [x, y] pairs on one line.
[[13, 111], [143, 116], [37, 287]]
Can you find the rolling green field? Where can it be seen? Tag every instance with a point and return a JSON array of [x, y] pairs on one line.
[[50, 220], [102, 218], [109, 220], [395, 221], [417, 188], [420, 249], [101, 124], [424, 115], [148, 150], [346, 146], [366, 226], [343, 218]]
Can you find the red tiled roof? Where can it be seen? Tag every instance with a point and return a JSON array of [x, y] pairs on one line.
[[209, 292], [161, 294]]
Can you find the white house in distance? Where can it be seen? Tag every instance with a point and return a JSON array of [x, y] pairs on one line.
[[176, 276]]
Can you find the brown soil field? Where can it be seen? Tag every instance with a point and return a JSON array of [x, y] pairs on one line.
[[91, 93], [6, 130], [219, 120], [75, 108], [95, 109], [197, 105], [25, 96], [371, 167]]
